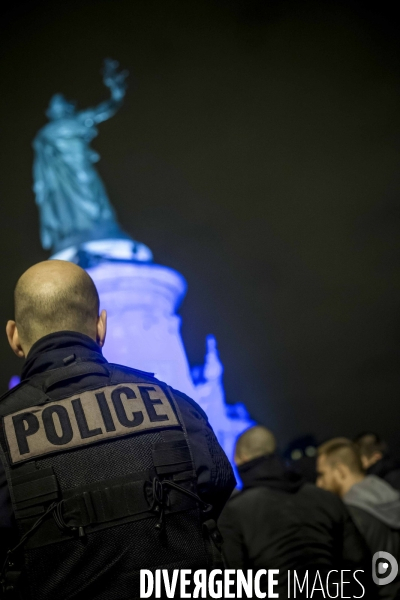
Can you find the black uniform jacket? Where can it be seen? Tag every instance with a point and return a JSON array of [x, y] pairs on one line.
[[215, 478], [280, 522]]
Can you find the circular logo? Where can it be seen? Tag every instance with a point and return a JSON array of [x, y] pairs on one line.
[[382, 568]]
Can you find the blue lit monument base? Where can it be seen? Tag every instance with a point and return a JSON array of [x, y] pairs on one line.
[[141, 299]]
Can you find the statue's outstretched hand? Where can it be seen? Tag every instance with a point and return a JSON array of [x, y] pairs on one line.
[[113, 79]]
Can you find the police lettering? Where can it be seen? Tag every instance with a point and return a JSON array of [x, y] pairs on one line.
[[95, 415]]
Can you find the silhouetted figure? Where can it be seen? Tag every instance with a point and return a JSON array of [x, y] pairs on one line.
[[376, 458], [301, 455], [373, 504], [278, 521]]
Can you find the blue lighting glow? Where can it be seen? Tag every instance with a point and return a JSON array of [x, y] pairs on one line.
[[15, 380], [144, 332]]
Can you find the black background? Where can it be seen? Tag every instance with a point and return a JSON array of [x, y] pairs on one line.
[[258, 153]]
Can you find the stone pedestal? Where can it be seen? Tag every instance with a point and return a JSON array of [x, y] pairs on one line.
[[144, 330]]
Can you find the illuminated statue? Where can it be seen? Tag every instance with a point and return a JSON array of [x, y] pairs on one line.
[[72, 200]]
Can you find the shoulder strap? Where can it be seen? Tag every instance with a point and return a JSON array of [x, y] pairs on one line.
[[121, 374], [33, 391], [192, 402], [72, 371], [24, 396]]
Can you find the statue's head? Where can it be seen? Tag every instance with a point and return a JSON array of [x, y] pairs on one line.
[[60, 107]]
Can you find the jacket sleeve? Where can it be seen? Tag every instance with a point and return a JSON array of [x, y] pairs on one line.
[[376, 534], [357, 556], [215, 478], [355, 551]]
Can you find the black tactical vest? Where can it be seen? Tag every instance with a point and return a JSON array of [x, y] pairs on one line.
[[102, 485]]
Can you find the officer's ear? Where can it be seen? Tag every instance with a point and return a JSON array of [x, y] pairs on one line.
[[13, 339], [101, 328]]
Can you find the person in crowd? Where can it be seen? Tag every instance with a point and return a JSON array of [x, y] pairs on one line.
[[301, 455], [376, 458], [108, 470], [373, 504], [278, 521]]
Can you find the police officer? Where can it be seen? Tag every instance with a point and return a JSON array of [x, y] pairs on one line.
[[108, 470]]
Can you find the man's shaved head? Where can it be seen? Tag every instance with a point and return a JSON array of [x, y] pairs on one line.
[[53, 296], [342, 451], [339, 466], [254, 442]]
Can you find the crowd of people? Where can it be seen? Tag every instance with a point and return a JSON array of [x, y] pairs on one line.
[[280, 521], [106, 472]]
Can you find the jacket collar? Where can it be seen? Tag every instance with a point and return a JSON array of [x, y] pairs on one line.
[[383, 467], [50, 351], [269, 471]]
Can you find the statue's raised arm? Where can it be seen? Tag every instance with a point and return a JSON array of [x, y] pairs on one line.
[[116, 82]]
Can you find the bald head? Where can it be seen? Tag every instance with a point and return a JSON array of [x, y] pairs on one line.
[[254, 442], [53, 296]]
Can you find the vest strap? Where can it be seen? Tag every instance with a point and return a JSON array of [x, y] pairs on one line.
[[171, 457], [73, 371], [34, 489], [108, 501], [96, 506]]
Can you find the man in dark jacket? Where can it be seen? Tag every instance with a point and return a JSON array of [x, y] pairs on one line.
[[373, 504], [280, 522], [376, 458], [110, 470]]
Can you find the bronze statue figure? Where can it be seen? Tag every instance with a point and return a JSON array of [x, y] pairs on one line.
[[72, 200]]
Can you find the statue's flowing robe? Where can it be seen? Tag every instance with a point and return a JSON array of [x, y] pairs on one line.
[[69, 192]]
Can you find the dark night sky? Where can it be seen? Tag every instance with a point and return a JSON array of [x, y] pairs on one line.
[[258, 153]]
